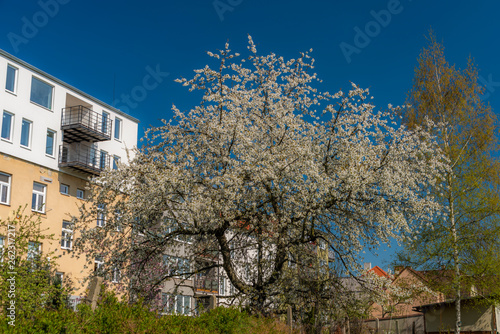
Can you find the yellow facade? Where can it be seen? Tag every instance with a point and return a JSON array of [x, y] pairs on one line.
[[58, 208]]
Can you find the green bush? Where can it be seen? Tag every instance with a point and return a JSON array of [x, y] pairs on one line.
[[115, 317]]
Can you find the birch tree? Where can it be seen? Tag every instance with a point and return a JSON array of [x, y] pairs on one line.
[[264, 166], [463, 240]]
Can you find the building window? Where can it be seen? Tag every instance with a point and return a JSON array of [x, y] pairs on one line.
[[2, 247], [118, 128], [34, 250], [222, 286], [41, 93], [103, 158], [59, 278], [116, 161], [67, 235], [7, 123], [80, 194], [38, 197], [101, 215], [118, 220], [105, 120], [10, 83], [98, 264], [5, 188], [50, 142], [64, 189], [178, 304], [116, 275], [26, 133], [177, 266]]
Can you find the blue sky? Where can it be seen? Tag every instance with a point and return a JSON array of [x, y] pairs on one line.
[[106, 48]]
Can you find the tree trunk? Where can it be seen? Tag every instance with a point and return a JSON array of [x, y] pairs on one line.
[[456, 279]]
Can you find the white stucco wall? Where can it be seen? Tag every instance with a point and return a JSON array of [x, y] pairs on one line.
[[20, 106]]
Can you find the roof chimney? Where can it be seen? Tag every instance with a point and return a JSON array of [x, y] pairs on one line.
[[367, 266]]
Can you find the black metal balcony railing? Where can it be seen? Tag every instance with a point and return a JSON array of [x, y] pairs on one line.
[[206, 284], [83, 124], [83, 158]]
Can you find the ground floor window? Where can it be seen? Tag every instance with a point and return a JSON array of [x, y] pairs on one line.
[[177, 304]]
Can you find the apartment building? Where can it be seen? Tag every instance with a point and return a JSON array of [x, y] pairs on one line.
[[53, 139]]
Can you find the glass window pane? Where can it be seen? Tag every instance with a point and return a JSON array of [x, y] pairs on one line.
[[6, 125], [38, 187], [10, 85], [118, 124], [41, 93], [33, 202], [179, 304], [116, 160], [49, 144], [187, 304], [25, 133], [64, 189], [103, 158], [4, 178], [104, 126], [4, 192]]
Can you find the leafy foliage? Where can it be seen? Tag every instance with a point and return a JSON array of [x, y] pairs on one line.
[[264, 167], [465, 239], [114, 316], [27, 277]]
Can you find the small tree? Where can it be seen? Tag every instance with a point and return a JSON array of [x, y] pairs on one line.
[[28, 282], [264, 166], [465, 239]]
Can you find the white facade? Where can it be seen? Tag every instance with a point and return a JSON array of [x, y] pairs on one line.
[[53, 139], [20, 106]]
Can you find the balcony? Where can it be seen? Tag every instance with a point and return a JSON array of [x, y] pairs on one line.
[[204, 284], [83, 158], [80, 123]]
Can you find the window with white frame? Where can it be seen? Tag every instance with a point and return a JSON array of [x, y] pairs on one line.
[[7, 124], [101, 215], [26, 128], [222, 285], [118, 220], [38, 197], [80, 193], [11, 82], [59, 277], [34, 250], [104, 124], [67, 235], [116, 161], [177, 266], [116, 275], [177, 304], [98, 264], [5, 188], [50, 143], [103, 159], [118, 128], [171, 225], [41, 93], [2, 247], [64, 189]]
